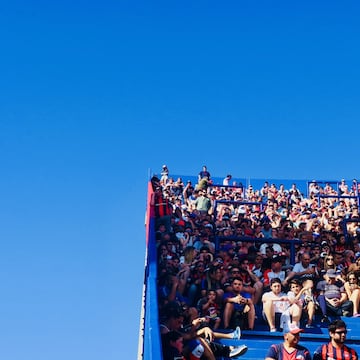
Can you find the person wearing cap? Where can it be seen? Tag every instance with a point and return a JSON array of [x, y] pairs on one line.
[[333, 299], [290, 348], [336, 348]]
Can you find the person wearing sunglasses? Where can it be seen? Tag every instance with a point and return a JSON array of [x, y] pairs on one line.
[[336, 348], [352, 289]]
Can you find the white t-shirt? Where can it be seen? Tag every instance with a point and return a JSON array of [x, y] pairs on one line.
[[279, 305]]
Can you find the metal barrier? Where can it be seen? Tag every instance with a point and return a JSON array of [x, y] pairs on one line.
[[320, 196], [344, 226], [152, 339], [243, 202], [322, 182], [292, 243]]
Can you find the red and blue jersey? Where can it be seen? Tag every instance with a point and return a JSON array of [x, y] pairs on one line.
[[328, 351], [278, 352]]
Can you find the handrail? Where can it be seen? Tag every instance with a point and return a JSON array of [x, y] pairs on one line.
[[338, 197], [292, 242], [238, 202], [152, 340], [344, 226]]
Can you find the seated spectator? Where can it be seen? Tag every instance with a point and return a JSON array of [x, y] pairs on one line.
[[349, 258], [213, 281], [336, 348], [355, 266], [251, 283], [208, 308], [277, 302], [197, 275], [237, 307], [333, 299], [256, 267], [352, 289], [269, 255], [297, 294], [339, 260], [275, 272], [329, 262], [289, 348], [173, 346], [172, 319], [203, 240], [304, 271]]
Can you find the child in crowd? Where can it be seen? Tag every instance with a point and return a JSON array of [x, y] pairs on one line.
[[209, 309]]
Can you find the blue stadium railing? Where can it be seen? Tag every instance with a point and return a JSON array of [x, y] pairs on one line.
[[151, 334]]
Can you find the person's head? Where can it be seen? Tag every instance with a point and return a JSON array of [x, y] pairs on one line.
[[215, 273], [258, 261], [338, 258], [173, 339], [315, 250], [275, 286], [330, 276], [352, 278], [269, 251], [212, 295], [292, 334], [173, 315], [337, 331], [295, 286], [305, 259], [244, 263], [235, 271], [329, 262], [276, 264], [237, 285]]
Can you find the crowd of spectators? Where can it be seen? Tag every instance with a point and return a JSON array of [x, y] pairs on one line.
[[222, 258]]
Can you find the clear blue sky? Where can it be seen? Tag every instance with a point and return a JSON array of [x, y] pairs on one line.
[[94, 94]]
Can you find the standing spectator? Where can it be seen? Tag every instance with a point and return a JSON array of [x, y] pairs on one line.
[[227, 179], [164, 175], [188, 194], [204, 173], [264, 192], [202, 203], [336, 348], [343, 188], [163, 209], [290, 348]]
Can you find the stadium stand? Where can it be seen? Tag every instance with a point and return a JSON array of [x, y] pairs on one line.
[[254, 231]]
